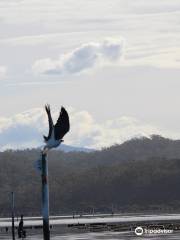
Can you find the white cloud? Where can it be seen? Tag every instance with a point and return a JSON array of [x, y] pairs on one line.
[[87, 132], [26, 129], [85, 57], [3, 71]]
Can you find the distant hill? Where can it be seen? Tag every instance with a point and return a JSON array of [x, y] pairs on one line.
[[68, 148], [139, 175], [145, 148]]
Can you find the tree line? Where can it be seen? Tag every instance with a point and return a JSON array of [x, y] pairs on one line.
[[139, 175]]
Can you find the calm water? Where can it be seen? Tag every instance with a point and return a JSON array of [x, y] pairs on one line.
[[102, 235]]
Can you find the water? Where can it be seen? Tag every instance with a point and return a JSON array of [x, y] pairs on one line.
[[103, 235]]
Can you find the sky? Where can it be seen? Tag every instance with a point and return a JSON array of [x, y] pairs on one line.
[[114, 65]]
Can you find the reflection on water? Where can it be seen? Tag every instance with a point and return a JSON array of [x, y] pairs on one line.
[[103, 235]]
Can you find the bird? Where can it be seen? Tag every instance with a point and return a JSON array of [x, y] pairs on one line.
[[57, 131]]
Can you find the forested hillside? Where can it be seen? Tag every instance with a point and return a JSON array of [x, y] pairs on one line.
[[138, 175]]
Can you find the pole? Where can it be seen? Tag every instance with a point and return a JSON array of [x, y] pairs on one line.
[[12, 211], [45, 197]]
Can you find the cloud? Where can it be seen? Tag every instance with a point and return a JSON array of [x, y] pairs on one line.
[[86, 57], [3, 71], [86, 132], [26, 129]]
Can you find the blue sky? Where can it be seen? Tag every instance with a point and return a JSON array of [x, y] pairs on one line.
[[115, 65]]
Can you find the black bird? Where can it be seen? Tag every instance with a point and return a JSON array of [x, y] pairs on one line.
[[57, 131]]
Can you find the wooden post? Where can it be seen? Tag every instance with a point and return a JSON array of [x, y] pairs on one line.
[[12, 212], [45, 197]]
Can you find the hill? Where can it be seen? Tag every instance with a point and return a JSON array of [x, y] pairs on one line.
[[138, 175], [68, 148]]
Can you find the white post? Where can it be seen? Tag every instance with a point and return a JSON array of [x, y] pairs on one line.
[[45, 197]]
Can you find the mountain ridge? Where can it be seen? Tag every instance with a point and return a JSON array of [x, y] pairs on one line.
[[140, 174]]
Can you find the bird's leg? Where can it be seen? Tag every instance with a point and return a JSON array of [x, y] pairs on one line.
[[45, 150]]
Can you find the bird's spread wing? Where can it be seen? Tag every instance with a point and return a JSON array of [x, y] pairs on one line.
[[62, 126], [48, 110]]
